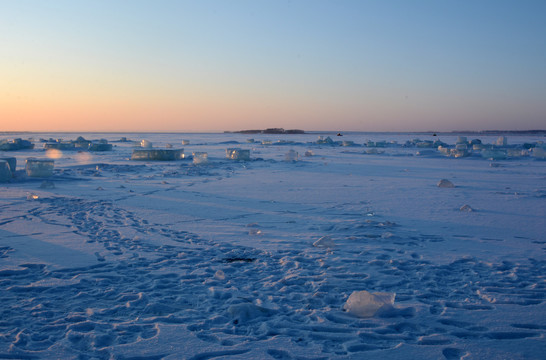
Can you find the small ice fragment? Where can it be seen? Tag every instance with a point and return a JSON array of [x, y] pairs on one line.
[[539, 153], [145, 144], [254, 231], [31, 196], [219, 275], [39, 167], [169, 146], [100, 188], [365, 304], [309, 153], [324, 242], [291, 156], [466, 208], [444, 183], [502, 141], [185, 142]]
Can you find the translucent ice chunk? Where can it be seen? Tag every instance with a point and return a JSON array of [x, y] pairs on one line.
[[365, 304], [238, 154], [539, 153], [5, 172], [12, 163], [39, 167], [291, 156], [145, 144], [502, 141], [200, 158]]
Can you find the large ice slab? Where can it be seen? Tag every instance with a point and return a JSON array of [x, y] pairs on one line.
[[12, 163], [158, 154], [39, 167], [5, 172]]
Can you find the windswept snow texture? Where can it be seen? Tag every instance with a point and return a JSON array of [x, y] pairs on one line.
[[112, 258]]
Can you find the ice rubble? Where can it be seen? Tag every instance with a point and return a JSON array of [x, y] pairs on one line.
[[15, 144], [365, 304], [79, 144]]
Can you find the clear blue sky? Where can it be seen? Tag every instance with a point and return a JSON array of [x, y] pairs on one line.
[[230, 65]]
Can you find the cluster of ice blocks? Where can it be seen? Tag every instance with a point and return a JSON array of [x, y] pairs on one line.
[[79, 144], [15, 144]]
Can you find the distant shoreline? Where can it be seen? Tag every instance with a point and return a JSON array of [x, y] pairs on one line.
[[295, 131]]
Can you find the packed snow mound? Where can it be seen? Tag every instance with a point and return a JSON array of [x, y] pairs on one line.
[[444, 183], [365, 304], [247, 311]]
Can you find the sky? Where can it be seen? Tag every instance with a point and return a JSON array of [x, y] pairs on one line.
[[216, 65]]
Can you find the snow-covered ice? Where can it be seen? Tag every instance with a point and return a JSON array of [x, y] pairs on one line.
[[123, 259]]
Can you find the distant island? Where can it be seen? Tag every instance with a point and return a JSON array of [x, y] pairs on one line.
[[268, 131]]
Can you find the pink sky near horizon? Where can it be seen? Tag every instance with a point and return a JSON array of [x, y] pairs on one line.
[[311, 65]]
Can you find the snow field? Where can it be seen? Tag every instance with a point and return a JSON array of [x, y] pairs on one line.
[[174, 260]]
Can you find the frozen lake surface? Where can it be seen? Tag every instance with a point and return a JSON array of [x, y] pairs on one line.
[[113, 258]]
